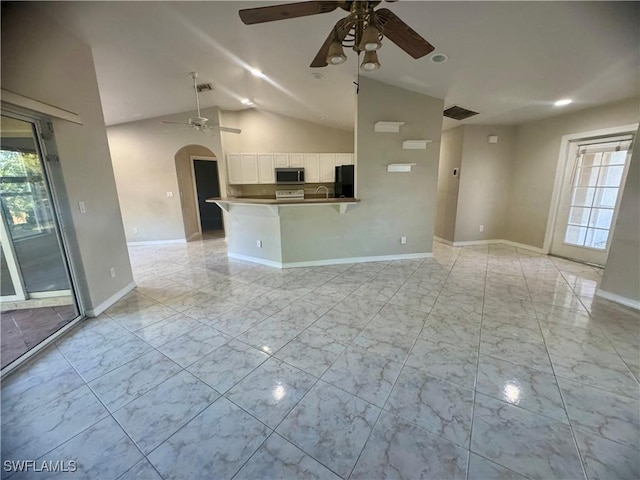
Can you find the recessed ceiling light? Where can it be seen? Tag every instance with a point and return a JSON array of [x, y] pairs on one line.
[[246, 101], [439, 58], [563, 102], [257, 73]]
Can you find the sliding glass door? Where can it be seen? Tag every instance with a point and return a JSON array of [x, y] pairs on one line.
[[37, 297]]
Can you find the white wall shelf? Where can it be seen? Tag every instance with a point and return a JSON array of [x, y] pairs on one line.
[[387, 127], [415, 144], [400, 167]]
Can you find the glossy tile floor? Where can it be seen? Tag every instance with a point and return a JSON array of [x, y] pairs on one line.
[[477, 363]]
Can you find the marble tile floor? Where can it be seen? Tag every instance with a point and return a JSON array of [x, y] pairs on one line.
[[479, 363]]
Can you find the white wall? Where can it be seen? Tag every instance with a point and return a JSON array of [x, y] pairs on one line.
[[42, 61], [535, 161], [448, 185], [622, 273], [268, 132], [144, 164], [485, 173], [392, 205]]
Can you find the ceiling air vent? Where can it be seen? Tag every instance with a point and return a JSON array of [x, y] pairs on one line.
[[204, 87], [458, 113]]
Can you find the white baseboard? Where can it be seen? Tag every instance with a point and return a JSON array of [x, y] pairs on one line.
[[443, 240], [156, 242], [330, 261], [339, 261], [194, 235], [627, 302], [97, 310], [261, 261], [523, 246], [470, 243]]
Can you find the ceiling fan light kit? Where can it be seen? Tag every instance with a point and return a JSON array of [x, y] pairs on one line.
[[362, 29], [336, 54], [370, 61], [370, 39]]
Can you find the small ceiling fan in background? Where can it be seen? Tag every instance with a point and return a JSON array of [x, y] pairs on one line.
[[201, 123], [362, 29]]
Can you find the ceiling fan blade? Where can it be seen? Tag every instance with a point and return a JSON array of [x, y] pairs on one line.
[[402, 34], [176, 123], [320, 59], [250, 16]]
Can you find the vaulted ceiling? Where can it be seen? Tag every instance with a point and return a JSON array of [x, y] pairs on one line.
[[507, 60]]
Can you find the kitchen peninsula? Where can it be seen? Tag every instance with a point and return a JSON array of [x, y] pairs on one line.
[[272, 231]]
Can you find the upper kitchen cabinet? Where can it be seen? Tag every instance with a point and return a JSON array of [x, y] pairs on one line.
[[296, 160], [252, 168], [344, 159], [281, 160], [266, 167], [234, 168], [242, 168], [249, 163], [311, 168], [327, 163], [284, 160]]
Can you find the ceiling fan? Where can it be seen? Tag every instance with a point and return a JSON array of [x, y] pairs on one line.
[[201, 123], [362, 29]]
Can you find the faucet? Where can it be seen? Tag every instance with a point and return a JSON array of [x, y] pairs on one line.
[[326, 190]]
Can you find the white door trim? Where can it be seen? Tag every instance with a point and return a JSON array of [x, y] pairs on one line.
[[561, 168]]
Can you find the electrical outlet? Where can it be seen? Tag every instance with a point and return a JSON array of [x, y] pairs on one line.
[[113, 272], [481, 229], [82, 207], [403, 240], [259, 243], [135, 230]]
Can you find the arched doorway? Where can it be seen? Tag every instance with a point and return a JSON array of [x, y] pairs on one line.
[[200, 177]]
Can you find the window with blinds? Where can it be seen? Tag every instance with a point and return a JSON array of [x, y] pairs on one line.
[[595, 185]]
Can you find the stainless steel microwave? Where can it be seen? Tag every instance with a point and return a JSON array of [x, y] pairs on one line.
[[289, 176]]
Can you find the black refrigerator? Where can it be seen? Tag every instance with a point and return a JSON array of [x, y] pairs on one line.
[[344, 182]]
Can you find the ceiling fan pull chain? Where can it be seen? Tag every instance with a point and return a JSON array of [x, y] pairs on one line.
[[357, 82]]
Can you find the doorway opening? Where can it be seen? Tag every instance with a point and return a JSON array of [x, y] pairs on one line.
[[37, 293], [206, 180], [589, 197]]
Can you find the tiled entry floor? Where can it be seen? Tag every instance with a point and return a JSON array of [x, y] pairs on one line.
[[478, 363]]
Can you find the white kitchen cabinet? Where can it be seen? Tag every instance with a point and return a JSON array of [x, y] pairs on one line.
[[266, 173], [281, 160], [252, 168], [327, 164], [234, 168], [311, 168], [344, 159], [249, 162], [296, 160]]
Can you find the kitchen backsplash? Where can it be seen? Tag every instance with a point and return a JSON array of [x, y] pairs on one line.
[[269, 190]]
